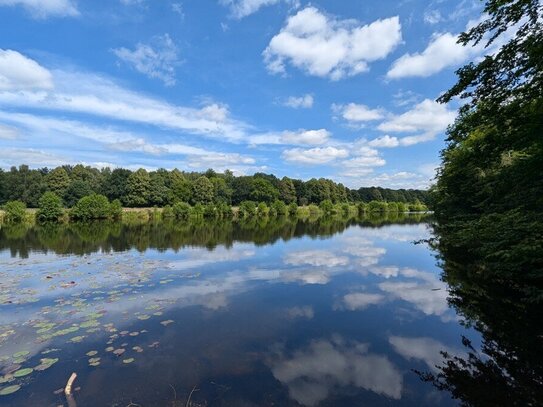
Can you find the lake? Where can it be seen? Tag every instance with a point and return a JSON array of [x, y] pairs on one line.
[[262, 313]]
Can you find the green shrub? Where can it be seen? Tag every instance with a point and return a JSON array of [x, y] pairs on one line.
[[362, 207], [292, 209], [392, 207], [167, 212], [402, 207], [90, 207], [377, 206], [116, 209], [418, 206], [327, 207], [345, 209], [280, 208], [224, 210], [198, 210], [15, 211], [314, 210], [210, 211], [247, 209], [263, 209], [50, 208], [181, 210]]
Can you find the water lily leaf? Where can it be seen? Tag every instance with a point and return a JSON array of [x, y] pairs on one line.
[[143, 317], [127, 361], [46, 363], [138, 349], [5, 379], [168, 322], [92, 353], [77, 339], [134, 333], [21, 354], [23, 372], [110, 349], [119, 351], [9, 390]]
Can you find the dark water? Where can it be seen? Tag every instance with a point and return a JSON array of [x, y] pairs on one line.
[[264, 313]]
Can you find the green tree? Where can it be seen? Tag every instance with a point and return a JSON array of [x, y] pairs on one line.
[[91, 207], [287, 192], [138, 188], [58, 181], [263, 190], [75, 191], [15, 211], [50, 207], [181, 210], [202, 191]]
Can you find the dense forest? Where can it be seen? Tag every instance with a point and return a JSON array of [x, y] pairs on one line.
[[488, 202], [162, 187]]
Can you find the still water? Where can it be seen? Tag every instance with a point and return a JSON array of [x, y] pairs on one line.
[[264, 313]]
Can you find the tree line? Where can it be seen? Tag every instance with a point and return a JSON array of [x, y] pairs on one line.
[[142, 188]]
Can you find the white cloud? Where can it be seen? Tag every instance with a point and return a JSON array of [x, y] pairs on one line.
[[314, 156], [432, 17], [313, 373], [396, 180], [19, 73], [428, 118], [363, 160], [384, 142], [305, 102], [45, 8], [244, 8], [156, 60], [324, 46], [358, 113], [317, 258], [8, 132], [300, 312], [99, 96], [429, 297], [359, 301], [442, 52], [299, 137], [427, 350], [32, 157]]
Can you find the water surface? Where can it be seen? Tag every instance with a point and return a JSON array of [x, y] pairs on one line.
[[264, 313]]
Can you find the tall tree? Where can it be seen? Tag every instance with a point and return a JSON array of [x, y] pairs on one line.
[[138, 188]]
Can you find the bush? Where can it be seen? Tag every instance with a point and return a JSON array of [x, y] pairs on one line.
[[345, 209], [293, 209], [50, 208], [314, 210], [90, 207], [263, 209], [417, 206], [392, 207], [181, 210], [377, 206], [224, 210], [198, 210], [167, 212], [327, 207], [402, 207], [15, 211], [247, 209], [362, 207], [210, 211], [280, 208], [116, 209]]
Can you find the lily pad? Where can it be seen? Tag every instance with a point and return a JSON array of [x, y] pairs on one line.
[[168, 322], [143, 317], [21, 354], [119, 351], [45, 364], [110, 349], [92, 353], [9, 390], [23, 372], [127, 361]]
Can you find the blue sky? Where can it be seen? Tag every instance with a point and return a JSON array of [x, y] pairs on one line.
[[336, 89]]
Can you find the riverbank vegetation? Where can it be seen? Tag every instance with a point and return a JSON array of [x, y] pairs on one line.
[[141, 188], [488, 203]]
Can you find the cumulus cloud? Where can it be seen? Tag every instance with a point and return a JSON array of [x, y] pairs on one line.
[[358, 113], [427, 118], [325, 46], [318, 258], [442, 52], [20, 73], [384, 142], [156, 60], [360, 301], [314, 156], [427, 350], [305, 102], [45, 8], [313, 373]]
